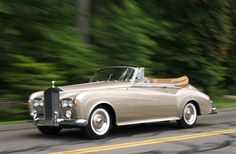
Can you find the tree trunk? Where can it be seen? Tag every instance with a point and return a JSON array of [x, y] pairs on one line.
[[83, 19]]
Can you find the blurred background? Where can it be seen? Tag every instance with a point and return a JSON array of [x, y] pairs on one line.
[[67, 40]]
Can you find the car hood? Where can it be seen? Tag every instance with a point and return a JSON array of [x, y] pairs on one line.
[[71, 90]]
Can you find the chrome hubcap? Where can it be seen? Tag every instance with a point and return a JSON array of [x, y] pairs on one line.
[[190, 114], [100, 121]]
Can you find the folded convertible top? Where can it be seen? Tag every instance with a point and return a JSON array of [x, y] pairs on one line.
[[182, 81]]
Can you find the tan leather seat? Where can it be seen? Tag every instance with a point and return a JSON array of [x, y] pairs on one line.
[[180, 82]]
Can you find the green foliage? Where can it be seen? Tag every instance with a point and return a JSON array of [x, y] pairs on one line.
[[30, 75], [16, 111], [121, 34], [40, 42], [230, 76], [230, 63], [210, 27], [74, 58], [195, 36], [12, 122], [224, 102]]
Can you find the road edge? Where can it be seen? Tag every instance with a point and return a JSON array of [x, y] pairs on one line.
[[16, 127]]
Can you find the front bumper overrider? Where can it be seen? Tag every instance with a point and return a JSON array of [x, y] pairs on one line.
[[213, 110]]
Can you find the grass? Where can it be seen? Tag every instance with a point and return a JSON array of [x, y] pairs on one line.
[[12, 122], [223, 102]]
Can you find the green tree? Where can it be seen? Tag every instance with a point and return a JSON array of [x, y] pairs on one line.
[[41, 37], [74, 58], [195, 38], [119, 32], [27, 75], [230, 76]]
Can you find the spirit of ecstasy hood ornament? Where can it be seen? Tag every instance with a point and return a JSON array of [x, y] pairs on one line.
[[53, 84]]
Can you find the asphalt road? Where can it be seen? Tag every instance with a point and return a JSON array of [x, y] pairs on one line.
[[212, 134]]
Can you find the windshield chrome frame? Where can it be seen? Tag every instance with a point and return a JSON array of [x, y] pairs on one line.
[[138, 72], [132, 78]]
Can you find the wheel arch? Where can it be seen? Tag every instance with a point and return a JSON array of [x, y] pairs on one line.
[[107, 106], [196, 104]]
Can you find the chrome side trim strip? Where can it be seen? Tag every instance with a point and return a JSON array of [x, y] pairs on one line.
[[147, 121]]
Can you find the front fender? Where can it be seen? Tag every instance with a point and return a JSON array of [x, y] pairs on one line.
[[87, 101]]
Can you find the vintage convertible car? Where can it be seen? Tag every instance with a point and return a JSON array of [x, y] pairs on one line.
[[116, 96]]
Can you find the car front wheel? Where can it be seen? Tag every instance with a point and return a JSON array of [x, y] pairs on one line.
[[48, 130], [189, 116], [99, 124]]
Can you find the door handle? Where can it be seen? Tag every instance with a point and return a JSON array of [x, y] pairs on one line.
[[164, 88]]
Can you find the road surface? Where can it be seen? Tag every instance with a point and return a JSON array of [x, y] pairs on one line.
[[212, 134]]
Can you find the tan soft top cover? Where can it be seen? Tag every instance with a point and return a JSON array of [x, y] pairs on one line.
[[180, 82]]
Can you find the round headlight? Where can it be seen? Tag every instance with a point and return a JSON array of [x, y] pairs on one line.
[[64, 103], [41, 104], [38, 102], [70, 103], [67, 103], [68, 113]]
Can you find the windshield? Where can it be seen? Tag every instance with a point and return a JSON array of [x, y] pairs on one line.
[[113, 74]]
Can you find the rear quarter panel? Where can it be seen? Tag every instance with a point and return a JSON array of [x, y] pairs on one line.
[[186, 95]]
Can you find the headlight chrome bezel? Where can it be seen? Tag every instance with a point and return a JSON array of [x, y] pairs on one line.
[[67, 103], [37, 102], [68, 113]]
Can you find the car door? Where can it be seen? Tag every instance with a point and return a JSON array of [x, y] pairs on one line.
[[152, 102]]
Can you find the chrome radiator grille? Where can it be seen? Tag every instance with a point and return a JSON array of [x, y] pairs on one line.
[[51, 103]]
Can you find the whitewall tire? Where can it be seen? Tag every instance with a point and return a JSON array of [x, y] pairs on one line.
[[99, 123], [189, 116]]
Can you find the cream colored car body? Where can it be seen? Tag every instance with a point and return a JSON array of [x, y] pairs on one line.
[[132, 102]]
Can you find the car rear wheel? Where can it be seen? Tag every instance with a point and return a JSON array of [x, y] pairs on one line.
[[189, 116], [99, 124], [48, 130]]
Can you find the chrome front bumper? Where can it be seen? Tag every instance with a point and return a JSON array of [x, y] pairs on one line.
[[57, 121], [61, 122], [213, 109]]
